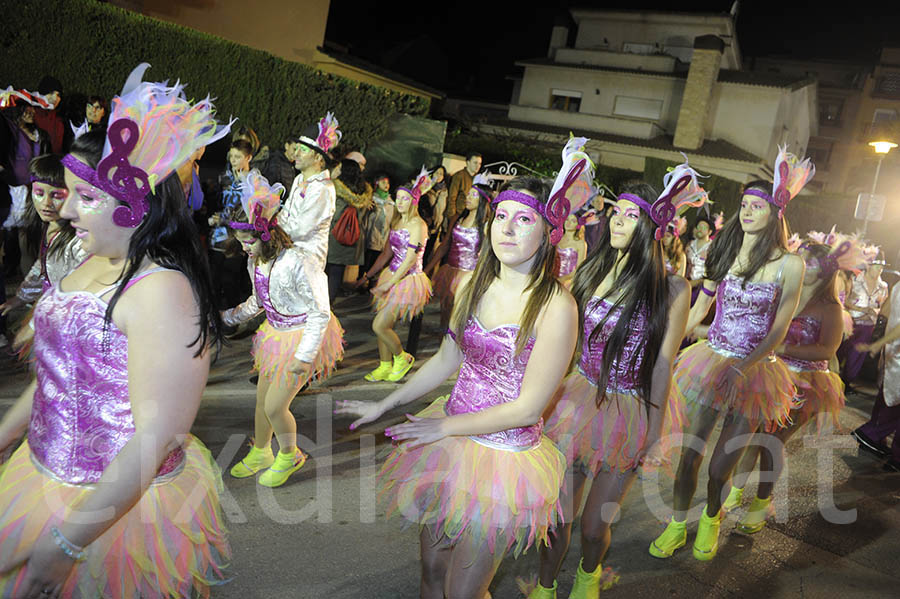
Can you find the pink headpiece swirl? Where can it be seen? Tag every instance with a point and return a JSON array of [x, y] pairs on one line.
[[791, 175], [329, 134], [681, 191], [261, 203], [420, 186]]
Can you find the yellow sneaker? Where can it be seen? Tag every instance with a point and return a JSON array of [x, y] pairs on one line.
[[755, 519], [673, 537], [285, 464], [707, 542], [734, 499], [255, 460], [539, 592], [402, 364], [380, 373], [587, 584]]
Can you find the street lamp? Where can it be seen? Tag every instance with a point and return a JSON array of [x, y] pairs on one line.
[[882, 144]]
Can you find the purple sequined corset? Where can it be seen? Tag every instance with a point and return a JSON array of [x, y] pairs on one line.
[[491, 374], [622, 378], [744, 315], [399, 240], [278, 320], [804, 330], [81, 415], [568, 260], [464, 245]]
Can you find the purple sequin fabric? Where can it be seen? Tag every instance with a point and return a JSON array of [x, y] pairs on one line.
[[568, 260], [622, 377], [399, 240], [804, 330], [491, 374], [81, 415], [744, 315], [464, 246], [278, 320]]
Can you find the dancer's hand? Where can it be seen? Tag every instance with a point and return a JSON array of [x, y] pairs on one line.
[[46, 569], [368, 411], [418, 431], [25, 335], [650, 454], [302, 369], [10, 305], [381, 289], [729, 383]]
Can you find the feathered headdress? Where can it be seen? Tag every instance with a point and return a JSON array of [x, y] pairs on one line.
[[420, 185], [80, 129], [681, 191], [261, 203], [845, 252], [484, 180], [718, 221], [571, 190], [9, 97], [678, 226], [794, 243], [153, 129], [791, 175], [870, 253], [322, 136]]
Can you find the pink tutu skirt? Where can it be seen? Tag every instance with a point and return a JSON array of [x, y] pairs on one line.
[[171, 543], [457, 486], [609, 437], [766, 393], [446, 282], [408, 297], [818, 392], [273, 349]]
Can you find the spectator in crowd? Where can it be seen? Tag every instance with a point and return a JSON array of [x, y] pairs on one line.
[[354, 200], [48, 119], [280, 166], [95, 112], [377, 222], [868, 293], [460, 183]]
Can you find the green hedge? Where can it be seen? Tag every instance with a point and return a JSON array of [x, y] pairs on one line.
[[91, 47]]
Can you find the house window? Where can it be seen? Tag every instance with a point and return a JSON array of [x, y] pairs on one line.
[[565, 100], [889, 85], [820, 156], [884, 115], [639, 108], [830, 112]]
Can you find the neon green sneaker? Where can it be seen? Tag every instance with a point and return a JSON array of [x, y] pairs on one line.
[[380, 373], [755, 519], [285, 464], [587, 584], [402, 364], [707, 542], [673, 538], [255, 460], [539, 592], [735, 496]]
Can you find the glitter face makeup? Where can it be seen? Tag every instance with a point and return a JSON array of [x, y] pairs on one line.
[[754, 213], [90, 211], [48, 200], [516, 232], [623, 222]]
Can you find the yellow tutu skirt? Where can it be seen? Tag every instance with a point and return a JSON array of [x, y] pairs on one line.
[[170, 544], [457, 486], [273, 350], [766, 392], [446, 282], [818, 392], [609, 437], [408, 297]]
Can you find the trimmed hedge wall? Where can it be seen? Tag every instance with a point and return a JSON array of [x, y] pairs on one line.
[[91, 47]]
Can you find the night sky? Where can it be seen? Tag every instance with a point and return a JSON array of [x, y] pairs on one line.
[[469, 50]]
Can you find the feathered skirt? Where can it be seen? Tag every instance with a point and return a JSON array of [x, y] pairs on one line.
[[273, 349]]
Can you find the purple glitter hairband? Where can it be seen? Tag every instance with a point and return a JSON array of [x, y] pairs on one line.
[[415, 197], [51, 182], [259, 224], [122, 184]]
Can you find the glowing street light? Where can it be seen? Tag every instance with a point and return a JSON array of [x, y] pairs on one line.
[[882, 144]]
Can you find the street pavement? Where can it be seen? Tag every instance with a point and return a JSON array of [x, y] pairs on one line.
[[322, 534]]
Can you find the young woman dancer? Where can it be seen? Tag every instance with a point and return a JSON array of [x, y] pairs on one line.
[[756, 283], [474, 468], [673, 249], [110, 495], [403, 289], [60, 251], [462, 246], [299, 341], [812, 339], [571, 251], [611, 411]]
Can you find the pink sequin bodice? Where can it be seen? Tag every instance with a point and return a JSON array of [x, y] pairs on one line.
[[464, 246], [623, 375], [568, 260], [399, 240], [278, 320], [81, 415], [491, 374], [804, 330], [744, 315]]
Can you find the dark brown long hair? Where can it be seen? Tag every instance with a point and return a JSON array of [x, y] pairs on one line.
[[642, 286], [826, 292], [725, 247], [543, 284]]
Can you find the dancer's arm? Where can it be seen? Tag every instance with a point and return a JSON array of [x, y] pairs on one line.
[[246, 310], [380, 262], [555, 338], [311, 287], [875, 347], [830, 337], [701, 307], [165, 382], [442, 249], [661, 382], [15, 421]]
